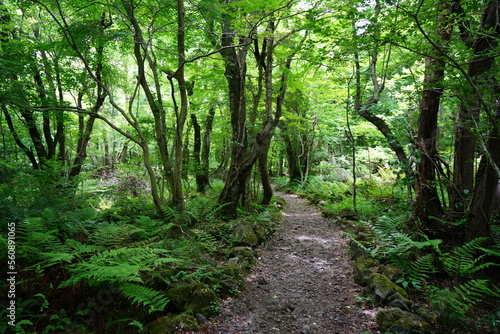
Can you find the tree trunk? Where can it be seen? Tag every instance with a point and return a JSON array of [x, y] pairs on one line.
[[265, 179], [181, 111], [235, 73], [196, 154], [29, 153], [487, 178], [365, 109], [204, 177], [292, 154], [427, 205], [85, 131], [242, 159], [468, 116], [201, 150]]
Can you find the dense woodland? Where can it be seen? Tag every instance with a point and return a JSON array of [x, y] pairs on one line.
[[138, 137]]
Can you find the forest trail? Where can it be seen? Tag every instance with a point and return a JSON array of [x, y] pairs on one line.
[[302, 282]]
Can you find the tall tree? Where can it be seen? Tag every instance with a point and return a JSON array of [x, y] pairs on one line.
[[243, 155], [427, 204]]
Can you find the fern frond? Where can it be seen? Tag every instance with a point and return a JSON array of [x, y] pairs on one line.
[[387, 225], [167, 260], [459, 301], [492, 252], [93, 273], [353, 239], [418, 272], [35, 237], [150, 242], [115, 235], [79, 248], [205, 239], [120, 265], [463, 260], [141, 295], [393, 243], [475, 290], [55, 258]]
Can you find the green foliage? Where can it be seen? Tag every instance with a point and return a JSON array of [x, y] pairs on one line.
[[147, 297], [119, 265], [36, 238], [206, 240], [115, 235], [387, 240], [464, 260], [417, 273], [461, 264], [455, 303]]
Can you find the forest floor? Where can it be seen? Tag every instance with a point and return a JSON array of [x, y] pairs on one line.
[[302, 282]]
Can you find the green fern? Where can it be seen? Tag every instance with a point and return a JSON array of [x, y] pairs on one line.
[[205, 239], [464, 261], [51, 258], [151, 242], [147, 297], [418, 272], [174, 216], [389, 242], [35, 238], [115, 235], [120, 265], [457, 302], [80, 249], [362, 246]]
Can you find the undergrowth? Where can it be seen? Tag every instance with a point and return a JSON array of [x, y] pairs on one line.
[[453, 282], [108, 265]]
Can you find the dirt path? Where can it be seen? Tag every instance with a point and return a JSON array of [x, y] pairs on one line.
[[302, 282]]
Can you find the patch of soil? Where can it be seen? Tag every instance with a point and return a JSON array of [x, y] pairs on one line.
[[302, 282]]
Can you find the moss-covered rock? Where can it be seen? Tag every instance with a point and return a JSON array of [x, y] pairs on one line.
[[398, 300], [243, 252], [243, 257], [279, 202], [262, 232], [397, 329], [244, 234], [395, 318], [205, 302], [392, 271], [380, 288], [362, 271], [169, 325], [348, 213], [195, 298], [186, 322], [163, 325], [359, 247], [231, 286]]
